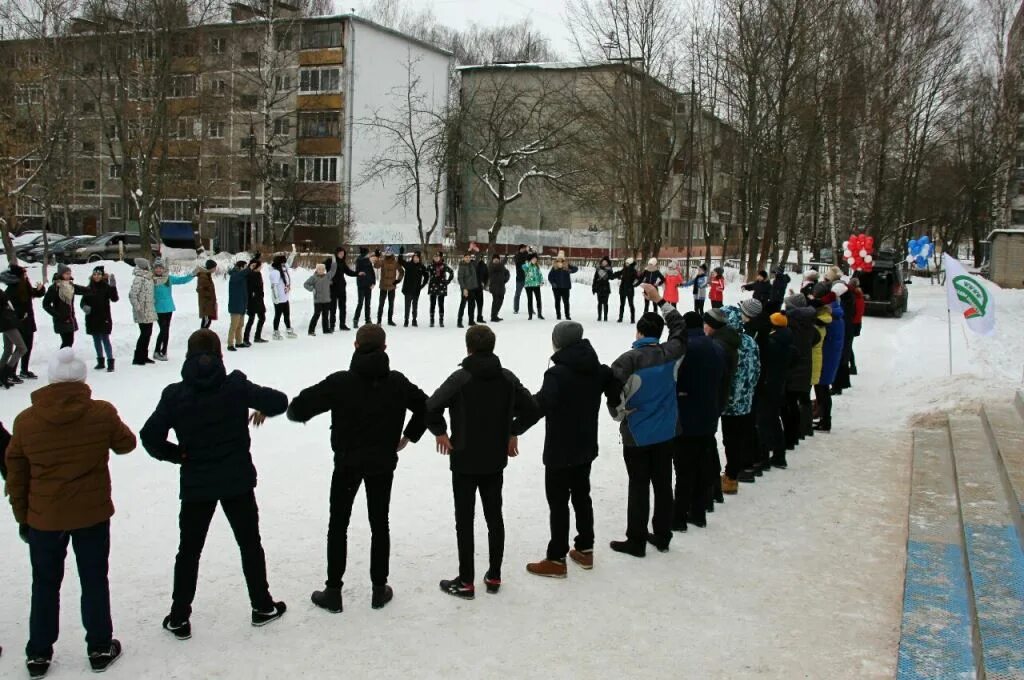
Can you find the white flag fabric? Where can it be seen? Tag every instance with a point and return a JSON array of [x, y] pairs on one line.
[[966, 294]]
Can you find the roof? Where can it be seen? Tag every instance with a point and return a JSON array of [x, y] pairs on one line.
[[539, 66], [1018, 230]]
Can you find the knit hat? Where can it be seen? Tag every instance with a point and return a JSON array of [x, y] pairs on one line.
[[99, 270], [66, 367], [796, 301], [63, 269], [715, 318], [653, 262], [321, 270], [158, 262], [629, 261], [672, 265], [812, 275], [751, 308], [839, 288], [820, 290], [566, 333], [693, 320], [210, 265], [204, 341], [779, 319], [142, 264]]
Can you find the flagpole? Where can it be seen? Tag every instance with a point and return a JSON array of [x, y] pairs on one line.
[[949, 329]]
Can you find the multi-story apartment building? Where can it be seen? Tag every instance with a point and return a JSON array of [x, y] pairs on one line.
[[254, 129]]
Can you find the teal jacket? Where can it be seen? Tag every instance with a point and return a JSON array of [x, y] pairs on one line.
[[162, 291], [534, 279]]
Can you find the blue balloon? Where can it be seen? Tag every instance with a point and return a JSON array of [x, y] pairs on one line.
[[921, 262], [924, 239]]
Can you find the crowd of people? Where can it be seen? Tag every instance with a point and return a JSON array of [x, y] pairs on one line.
[[747, 370]]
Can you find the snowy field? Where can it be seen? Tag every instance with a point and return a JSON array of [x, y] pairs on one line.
[[799, 576]]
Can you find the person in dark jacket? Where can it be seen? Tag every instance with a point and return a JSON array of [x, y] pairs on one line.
[[209, 413], [560, 278], [59, 303], [760, 287], [468, 285], [14, 346], [483, 274], [238, 303], [716, 325], [602, 287], [20, 293], [485, 402], [570, 400], [338, 296], [440, 275], [699, 384], [497, 279], [832, 354], [627, 289], [256, 306], [522, 255], [796, 411], [369, 392], [776, 357], [778, 292], [652, 275], [416, 279], [848, 300], [98, 321], [648, 414], [366, 279]]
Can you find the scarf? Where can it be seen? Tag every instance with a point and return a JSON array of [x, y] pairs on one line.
[[66, 290]]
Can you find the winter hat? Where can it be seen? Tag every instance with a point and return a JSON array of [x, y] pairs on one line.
[[653, 262], [158, 262], [566, 333], [672, 265], [751, 308], [820, 290], [204, 341], [780, 270], [321, 270], [715, 318], [62, 269], [99, 270], [65, 367], [210, 265], [811, 275], [363, 250], [839, 288], [693, 320], [779, 319], [629, 261], [142, 264], [796, 301], [833, 274]]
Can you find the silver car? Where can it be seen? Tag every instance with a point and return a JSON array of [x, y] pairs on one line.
[[111, 246]]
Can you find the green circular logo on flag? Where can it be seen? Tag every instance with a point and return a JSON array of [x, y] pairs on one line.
[[971, 293]]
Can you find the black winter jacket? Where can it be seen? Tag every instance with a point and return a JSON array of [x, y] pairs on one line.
[[63, 314], [497, 278], [365, 273], [486, 401], [440, 276], [20, 294], [729, 341], [257, 303], [700, 383], [779, 284], [8, 322], [209, 413], [776, 358], [519, 260], [338, 282], [655, 278], [416, 278], [762, 291], [805, 336], [482, 273], [627, 279], [98, 320], [570, 399], [602, 281], [367, 404]]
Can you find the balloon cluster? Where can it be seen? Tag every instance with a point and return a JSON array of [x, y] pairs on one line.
[[920, 250], [857, 252]]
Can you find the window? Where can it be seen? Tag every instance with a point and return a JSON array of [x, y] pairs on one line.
[[184, 128], [283, 83], [116, 210], [88, 185], [248, 140], [1020, 161], [28, 94], [88, 146], [112, 132], [318, 170], [179, 211], [283, 41], [219, 88], [250, 59], [215, 130], [320, 124], [114, 171], [219, 45], [88, 107], [213, 172], [245, 186], [282, 170], [282, 126], [321, 37], [26, 168], [313, 80], [26, 207], [183, 86], [318, 215], [249, 102]]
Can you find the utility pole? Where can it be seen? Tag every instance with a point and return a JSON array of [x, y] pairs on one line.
[[692, 208], [252, 186]]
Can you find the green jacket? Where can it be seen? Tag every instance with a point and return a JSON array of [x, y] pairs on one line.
[[533, 275]]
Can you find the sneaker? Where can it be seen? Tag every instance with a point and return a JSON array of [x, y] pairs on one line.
[[493, 583], [181, 630], [329, 599], [584, 558], [627, 548], [27, 375], [149, 361], [746, 476], [779, 462], [245, 344], [37, 667], [312, 334], [381, 596], [259, 341], [343, 327], [276, 336], [231, 348], [291, 334], [549, 568], [263, 618], [457, 588], [104, 659], [730, 487], [661, 546], [160, 357]]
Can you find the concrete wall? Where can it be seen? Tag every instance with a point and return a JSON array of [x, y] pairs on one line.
[[1007, 260]]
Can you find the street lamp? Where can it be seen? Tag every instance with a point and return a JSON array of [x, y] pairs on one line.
[[252, 186]]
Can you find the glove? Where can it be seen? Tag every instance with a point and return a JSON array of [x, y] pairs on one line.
[[23, 532], [111, 280]]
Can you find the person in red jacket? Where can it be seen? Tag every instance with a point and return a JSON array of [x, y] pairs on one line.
[[858, 317], [673, 281], [717, 285]]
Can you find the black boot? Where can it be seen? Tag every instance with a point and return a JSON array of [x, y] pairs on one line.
[[431, 320], [110, 366], [100, 364], [329, 599], [381, 596], [5, 378]]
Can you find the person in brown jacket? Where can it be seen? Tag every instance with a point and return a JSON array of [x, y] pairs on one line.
[[59, 485], [391, 272], [207, 294]]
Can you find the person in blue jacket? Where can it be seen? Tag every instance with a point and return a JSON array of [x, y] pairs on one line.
[[164, 301], [238, 304], [831, 353], [560, 278], [648, 414]]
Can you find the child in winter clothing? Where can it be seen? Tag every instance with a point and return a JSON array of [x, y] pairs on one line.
[[602, 287], [560, 278], [20, 293], [59, 302], [652, 275], [468, 283], [366, 279], [207, 294], [162, 290], [700, 288], [14, 346], [415, 280], [627, 277], [440, 276], [532, 283], [280, 294], [497, 279], [143, 301], [238, 302], [256, 306], [739, 426], [320, 284], [717, 286], [391, 273], [673, 281], [98, 322]]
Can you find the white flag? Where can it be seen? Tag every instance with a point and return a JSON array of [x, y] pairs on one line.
[[966, 294]]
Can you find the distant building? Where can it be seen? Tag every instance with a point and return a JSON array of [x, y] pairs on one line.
[[1006, 257]]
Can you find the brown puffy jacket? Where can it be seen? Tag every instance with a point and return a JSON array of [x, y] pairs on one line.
[[207, 294], [57, 473], [390, 272]]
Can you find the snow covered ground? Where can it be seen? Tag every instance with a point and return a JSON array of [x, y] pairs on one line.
[[800, 575]]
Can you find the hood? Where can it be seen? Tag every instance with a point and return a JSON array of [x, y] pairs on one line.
[[203, 372], [62, 403], [144, 273], [579, 356], [733, 317], [485, 366], [371, 365], [729, 337]]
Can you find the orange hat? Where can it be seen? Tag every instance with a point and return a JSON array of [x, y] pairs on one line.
[[779, 319]]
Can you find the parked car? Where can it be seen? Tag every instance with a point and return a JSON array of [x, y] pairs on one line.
[[885, 287], [58, 248], [111, 246], [35, 252], [26, 244]]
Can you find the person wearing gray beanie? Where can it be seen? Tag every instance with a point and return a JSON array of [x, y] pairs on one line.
[[797, 301], [566, 333], [751, 308], [142, 263], [715, 318]]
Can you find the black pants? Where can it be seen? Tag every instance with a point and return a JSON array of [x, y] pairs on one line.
[[321, 313], [363, 296], [205, 321], [28, 337], [497, 300], [647, 467], [602, 306], [47, 550], [823, 393], [698, 305], [562, 485], [717, 304], [194, 522], [282, 310], [412, 305], [388, 295], [770, 438], [338, 307], [694, 473], [142, 346], [67, 339], [739, 441], [253, 316], [344, 487], [649, 306], [468, 300], [533, 295], [520, 284], [624, 299], [795, 414], [479, 295], [163, 322], [437, 303], [561, 298], [464, 489]]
